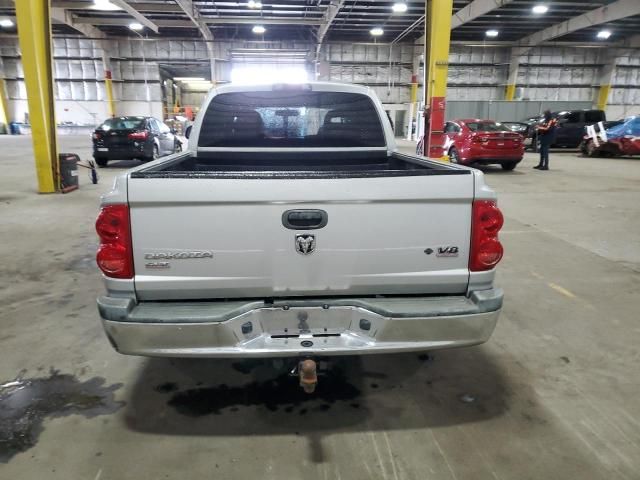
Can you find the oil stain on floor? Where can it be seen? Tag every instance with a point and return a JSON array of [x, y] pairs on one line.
[[26, 402], [282, 391]]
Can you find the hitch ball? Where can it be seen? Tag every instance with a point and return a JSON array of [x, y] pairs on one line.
[[308, 375]]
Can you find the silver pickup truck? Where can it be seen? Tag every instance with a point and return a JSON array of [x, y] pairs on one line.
[[293, 227]]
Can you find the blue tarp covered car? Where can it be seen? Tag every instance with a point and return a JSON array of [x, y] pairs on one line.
[[623, 139]]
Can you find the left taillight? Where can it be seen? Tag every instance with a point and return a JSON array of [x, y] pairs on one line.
[[115, 256], [96, 135], [486, 249]]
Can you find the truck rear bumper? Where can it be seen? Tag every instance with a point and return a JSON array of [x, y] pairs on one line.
[[301, 327]]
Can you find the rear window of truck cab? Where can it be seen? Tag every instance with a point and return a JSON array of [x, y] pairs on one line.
[[283, 119]]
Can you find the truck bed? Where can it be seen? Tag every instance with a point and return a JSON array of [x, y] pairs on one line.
[[319, 164]]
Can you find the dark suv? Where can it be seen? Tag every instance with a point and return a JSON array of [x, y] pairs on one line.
[[570, 128], [121, 138]]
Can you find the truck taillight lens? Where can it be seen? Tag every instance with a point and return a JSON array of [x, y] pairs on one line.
[[486, 249], [115, 257], [139, 135], [96, 136]]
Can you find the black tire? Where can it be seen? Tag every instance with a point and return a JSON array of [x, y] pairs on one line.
[[154, 156], [453, 155], [591, 150], [583, 147], [508, 166], [101, 162]]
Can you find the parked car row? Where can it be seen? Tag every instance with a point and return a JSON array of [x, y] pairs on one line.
[[569, 130], [132, 137]]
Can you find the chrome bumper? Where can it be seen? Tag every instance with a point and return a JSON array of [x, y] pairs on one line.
[[302, 327]]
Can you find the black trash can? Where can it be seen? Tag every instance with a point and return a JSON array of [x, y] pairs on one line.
[[68, 171]]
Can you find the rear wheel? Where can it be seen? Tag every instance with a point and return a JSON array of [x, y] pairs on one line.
[[154, 156], [453, 155], [508, 166], [102, 162]]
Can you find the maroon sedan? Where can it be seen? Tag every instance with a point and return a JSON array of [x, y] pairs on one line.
[[483, 142]]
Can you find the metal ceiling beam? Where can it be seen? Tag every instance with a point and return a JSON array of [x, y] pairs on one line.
[[631, 42], [329, 16], [61, 15], [192, 12], [205, 20], [608, 13], [473, 10], [140, 6], [136, 14], [119, 21], [262, 20]]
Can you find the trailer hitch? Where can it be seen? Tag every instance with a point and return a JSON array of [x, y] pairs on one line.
[[307, 372]]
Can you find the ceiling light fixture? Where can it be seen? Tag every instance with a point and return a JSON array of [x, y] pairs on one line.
[[491, 33], [105, 5], [136, 27], [604, 34], [259, 29], [540, 9], [399, 7], [376, 32], [6, 23], [254, 4]]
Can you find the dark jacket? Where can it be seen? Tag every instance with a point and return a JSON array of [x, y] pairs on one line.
[[547, 129]]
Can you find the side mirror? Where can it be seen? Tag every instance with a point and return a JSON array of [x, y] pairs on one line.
[[187, 131]]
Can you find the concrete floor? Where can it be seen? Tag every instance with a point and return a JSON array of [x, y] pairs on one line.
[[553, 395]]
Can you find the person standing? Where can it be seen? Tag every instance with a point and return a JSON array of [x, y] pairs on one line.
[[546, 134]]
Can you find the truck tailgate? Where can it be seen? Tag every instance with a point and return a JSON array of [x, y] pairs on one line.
[[204, 238]]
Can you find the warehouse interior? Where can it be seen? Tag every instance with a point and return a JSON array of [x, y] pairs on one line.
[[552, 394]]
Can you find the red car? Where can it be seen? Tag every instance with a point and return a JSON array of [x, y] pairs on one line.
[[483, 142]]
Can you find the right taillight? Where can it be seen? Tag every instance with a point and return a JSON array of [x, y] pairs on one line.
[[486, 249], [114, 256]]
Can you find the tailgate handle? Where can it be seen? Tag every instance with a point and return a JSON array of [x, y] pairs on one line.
[[304, 219]]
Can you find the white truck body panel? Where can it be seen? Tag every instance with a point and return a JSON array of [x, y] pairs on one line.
[[372, 242]]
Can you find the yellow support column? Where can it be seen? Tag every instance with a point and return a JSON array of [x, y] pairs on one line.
[[436, 67], [603, 96], [4, 107], [607, 73], [512, 76], [108, 87], [34, 32], [510, 92], [108, 83]]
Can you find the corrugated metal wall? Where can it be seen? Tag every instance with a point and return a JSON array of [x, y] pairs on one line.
[[475, 72], [505, 111]]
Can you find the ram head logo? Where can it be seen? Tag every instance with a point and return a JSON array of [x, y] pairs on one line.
[[305, 243]]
